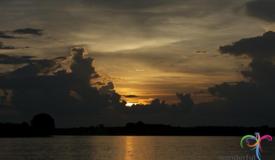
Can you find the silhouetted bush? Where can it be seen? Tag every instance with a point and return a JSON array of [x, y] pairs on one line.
[[43, 124]]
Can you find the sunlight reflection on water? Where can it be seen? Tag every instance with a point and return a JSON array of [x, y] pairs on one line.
[[126, 148]]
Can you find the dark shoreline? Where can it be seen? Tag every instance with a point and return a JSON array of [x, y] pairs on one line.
[[131, 129]]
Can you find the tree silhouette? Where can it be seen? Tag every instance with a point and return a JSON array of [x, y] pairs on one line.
[[43, 124]]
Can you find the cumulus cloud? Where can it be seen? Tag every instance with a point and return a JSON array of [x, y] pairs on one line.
[[256, 47], [62, 87], [262, 52], [42, 85], [255, 95]]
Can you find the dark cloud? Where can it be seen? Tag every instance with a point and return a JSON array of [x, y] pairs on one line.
[[63, 88], [4, 35], [256, 47], [3, 46], [263, 9], [10, 35], [30, 31], [44, 85], [254, 96], [130, 96], [6, 59], [160, 112], [21, 31]]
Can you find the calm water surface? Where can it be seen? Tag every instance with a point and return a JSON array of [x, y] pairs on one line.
[[128, 148]]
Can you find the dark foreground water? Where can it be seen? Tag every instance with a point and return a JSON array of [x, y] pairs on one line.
[[128, 148]]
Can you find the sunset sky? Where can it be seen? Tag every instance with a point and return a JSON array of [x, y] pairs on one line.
[[147, 48]]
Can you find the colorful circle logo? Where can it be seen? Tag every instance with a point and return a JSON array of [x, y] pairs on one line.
[[254, 142]]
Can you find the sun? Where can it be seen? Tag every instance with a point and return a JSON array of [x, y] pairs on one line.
[[130, 104]]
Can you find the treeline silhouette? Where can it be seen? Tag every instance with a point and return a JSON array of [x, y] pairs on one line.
[[44, 125], [141, 128]]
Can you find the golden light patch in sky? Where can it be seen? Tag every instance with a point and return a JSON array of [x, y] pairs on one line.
[[130, 104], [164, 85]]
